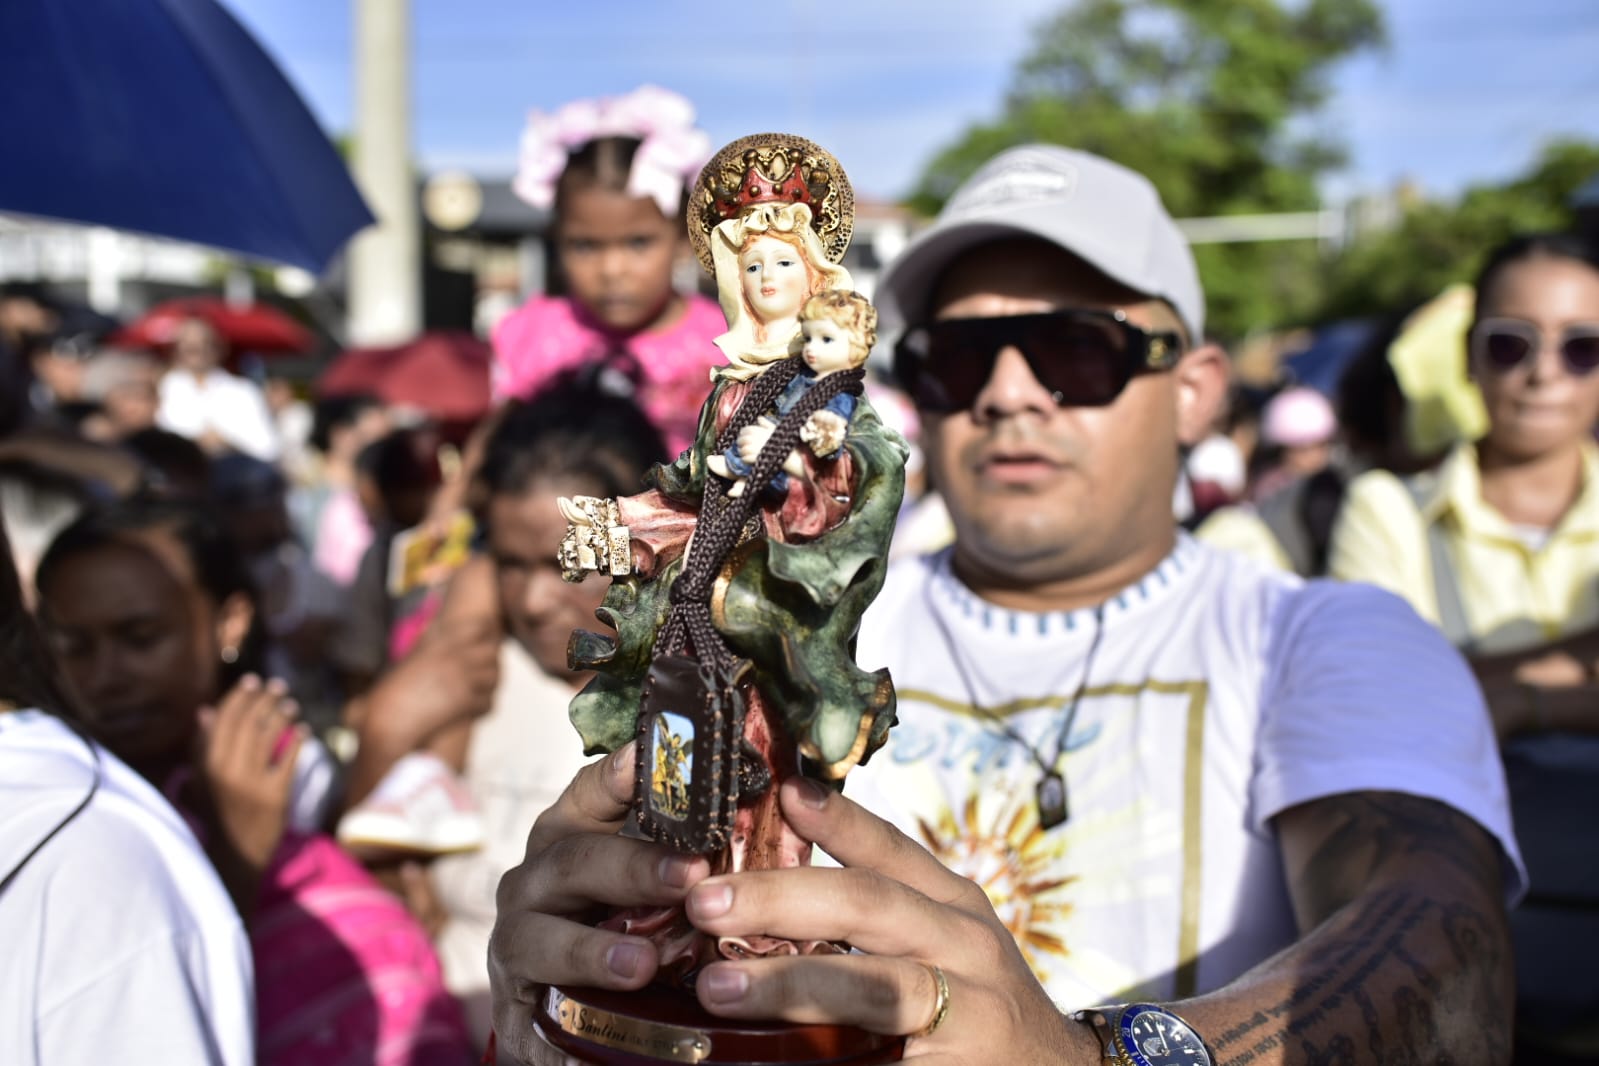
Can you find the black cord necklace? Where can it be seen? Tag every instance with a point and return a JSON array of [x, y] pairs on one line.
[[1050, 795]]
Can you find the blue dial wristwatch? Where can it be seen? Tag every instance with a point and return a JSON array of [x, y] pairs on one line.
[[1142, 1034]]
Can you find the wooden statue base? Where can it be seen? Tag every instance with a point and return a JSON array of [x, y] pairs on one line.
[[656, 1025]]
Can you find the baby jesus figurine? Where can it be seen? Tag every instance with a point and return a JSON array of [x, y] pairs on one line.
[[837, 329]]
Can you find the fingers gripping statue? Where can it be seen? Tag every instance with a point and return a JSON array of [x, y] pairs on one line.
[[740, 576]]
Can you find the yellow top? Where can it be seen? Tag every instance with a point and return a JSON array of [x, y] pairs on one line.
[[1442, 404], [1515, 596], [1240, 528]]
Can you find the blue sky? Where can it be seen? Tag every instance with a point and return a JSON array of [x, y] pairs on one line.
[[1466, 90]]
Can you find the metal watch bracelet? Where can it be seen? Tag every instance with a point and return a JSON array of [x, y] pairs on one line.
[[1106, 1023]]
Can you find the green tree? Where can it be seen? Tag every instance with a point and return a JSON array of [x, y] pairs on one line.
[[1214, 100], [1439, 242]]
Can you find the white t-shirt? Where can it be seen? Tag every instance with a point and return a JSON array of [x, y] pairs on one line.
[[117, 941], [1221, 694], [231, 407]]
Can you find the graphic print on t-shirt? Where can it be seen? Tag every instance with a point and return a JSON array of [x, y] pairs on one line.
[[1140, 844], [1220, 694]]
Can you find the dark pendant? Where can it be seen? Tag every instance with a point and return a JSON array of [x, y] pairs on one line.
[[1051, 795]]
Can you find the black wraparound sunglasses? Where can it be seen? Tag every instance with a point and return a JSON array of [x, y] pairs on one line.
[[1083, 357]]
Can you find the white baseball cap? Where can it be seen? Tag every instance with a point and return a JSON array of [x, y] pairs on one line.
[[1106, 215]]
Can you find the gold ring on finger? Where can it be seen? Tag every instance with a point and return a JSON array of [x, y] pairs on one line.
[[940, 1002]]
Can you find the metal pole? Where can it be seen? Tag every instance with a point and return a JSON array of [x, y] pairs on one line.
[[385, 260]]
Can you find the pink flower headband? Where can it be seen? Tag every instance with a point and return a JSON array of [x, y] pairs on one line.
[[670, 154]]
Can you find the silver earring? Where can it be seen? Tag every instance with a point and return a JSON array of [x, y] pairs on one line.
[[230, 654]]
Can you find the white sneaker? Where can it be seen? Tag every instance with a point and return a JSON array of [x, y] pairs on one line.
[[420, 807]]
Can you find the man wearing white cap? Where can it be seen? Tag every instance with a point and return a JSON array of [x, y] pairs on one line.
[[1145, 801]]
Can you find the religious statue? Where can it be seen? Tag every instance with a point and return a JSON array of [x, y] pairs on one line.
[[740, 576]]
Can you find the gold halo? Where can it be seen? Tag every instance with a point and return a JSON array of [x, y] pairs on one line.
[[832, 213]]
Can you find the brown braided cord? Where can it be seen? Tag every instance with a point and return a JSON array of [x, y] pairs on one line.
[[761, 396], [722, 518], [712, 545]]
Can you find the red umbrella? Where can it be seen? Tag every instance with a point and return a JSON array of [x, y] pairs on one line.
[[247, 328], [444, 373]]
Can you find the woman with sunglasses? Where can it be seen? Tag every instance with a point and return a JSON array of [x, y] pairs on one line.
[[1500, 548], [1497, 546]]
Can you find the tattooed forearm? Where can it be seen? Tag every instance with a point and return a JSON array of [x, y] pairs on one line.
[[1373, 994], [1410, 965], [1368, 831]]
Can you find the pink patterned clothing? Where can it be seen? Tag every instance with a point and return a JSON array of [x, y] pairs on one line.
[[344, 975], [550, 334]]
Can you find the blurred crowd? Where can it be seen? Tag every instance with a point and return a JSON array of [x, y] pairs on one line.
[[329, 626], [331, 631]]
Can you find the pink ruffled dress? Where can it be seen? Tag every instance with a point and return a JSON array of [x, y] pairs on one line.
[[551, 334]]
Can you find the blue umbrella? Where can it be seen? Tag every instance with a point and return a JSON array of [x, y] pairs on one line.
[[1321, 365], [166, 117]]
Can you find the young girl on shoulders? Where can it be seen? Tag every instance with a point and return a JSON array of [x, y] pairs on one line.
[[615, 173]]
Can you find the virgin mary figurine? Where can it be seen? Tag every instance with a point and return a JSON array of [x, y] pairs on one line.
[[733, 661]]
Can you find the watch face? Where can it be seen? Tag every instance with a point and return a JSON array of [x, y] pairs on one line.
[[1153, 1036]]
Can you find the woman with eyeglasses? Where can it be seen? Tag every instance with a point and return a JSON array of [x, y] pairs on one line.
[[1500, 548]]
